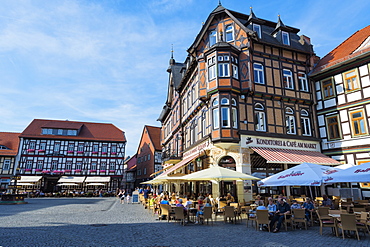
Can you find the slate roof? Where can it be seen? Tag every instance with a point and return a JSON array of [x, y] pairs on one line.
[[11, 141], [344, 51], [89, 131]]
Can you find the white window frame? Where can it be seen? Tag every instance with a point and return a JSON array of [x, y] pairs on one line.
[[6, 165], [234, 112], [57, 146], [260, 121], [211, 69], [54, 165], [212, 37], [257, 29], [290, 121], [40, 164], [42, 146], [71, 147], [229, 30], [95, 148], [29, 164], [305, 123], [235, 71], [224, 70], [259, 75], [288, 79], [302, 77], [225, 117], [285, 38], [80, 147]]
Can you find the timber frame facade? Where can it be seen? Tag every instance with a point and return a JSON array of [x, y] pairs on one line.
[[342, 86], [243, 83], [9, 143], [82, 151]]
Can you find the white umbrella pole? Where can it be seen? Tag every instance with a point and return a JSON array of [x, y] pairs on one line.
[[352, 192], [311, 192]]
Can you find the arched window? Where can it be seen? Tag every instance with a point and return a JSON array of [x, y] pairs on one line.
[[305, 123], [224, 101], [260, 117], [290, 121]]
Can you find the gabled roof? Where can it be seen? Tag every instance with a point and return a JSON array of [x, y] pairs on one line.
[[344, 52], [88, 130], [11, 141], [155, 136]]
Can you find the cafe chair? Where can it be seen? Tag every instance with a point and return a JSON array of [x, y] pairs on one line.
[[179, 215], [207, 214], [324, 212], [288, 221], [166, 211], [299, 216], [348, 223], [363, 223], [249, 216], [262, 217], [230, 214], [326, 221]]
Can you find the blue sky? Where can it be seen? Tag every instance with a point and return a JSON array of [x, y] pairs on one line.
[[105, 61]]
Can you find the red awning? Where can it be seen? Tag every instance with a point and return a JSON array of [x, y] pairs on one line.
[[180, 164], [290, 156]]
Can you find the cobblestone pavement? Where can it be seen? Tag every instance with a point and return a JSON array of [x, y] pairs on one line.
[[105, 222]]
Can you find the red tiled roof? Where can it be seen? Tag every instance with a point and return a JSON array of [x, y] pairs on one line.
[[344, 51], [11, 141], [290, 156], [155, 136], [89, 131]]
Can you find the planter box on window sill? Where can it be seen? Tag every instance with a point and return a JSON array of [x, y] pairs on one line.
[[70, 152], [80, 152], [94, 152], [112, 170], [27, 170], [38, 170], [113, 153], [45, 171], [78, 170], [67, 170], [56, 171], [92, 170], [30, 150], [104, 153], [41, 150], [102, 171]]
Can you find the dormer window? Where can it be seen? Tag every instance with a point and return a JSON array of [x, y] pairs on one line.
[[212, 38], [229, 33], [3, 147], [257, 29], [285, 38]]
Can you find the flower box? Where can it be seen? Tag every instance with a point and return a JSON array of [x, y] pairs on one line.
[[27, 170], [78, 170], [112, 170], [38, 170], [80, 152], [104, 153], [114, 153], [67, 170], [56, 171], [30, 150], [41, 150], [102, 170], [92, 170], [94, 152], [70, 152], [45, 171]]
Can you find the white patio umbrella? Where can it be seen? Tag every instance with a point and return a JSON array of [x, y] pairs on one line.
[[305, 174], [354, 174], [218, 173]]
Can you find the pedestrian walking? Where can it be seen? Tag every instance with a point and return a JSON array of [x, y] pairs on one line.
[[121, 195]]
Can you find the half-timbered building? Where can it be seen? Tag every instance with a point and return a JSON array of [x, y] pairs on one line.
[[342, 86], [59, 155], [9, 143], [241, 100], [149, 154]]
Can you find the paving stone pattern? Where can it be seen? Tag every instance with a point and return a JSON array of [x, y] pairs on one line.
[[105, 222]]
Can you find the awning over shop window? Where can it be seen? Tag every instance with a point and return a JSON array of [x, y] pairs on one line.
[[67, 184], [96, 184], [155, 173], [29, 179], [71, 179], [97, 179], [180, 164], [25, 184], [290, 156]]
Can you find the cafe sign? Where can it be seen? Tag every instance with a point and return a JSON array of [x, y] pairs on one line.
[[257, 141], [198, 149]]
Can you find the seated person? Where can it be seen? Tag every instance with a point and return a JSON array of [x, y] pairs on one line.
[[327, 202], [200, 207], [282, 208], [295, 205], [258, 199], [179, 204], [308, 205], [271, 207], [188, 203], [260, 206], [229, 199], [165, 200]]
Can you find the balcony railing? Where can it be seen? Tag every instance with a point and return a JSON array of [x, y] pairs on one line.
[[171, 156]]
